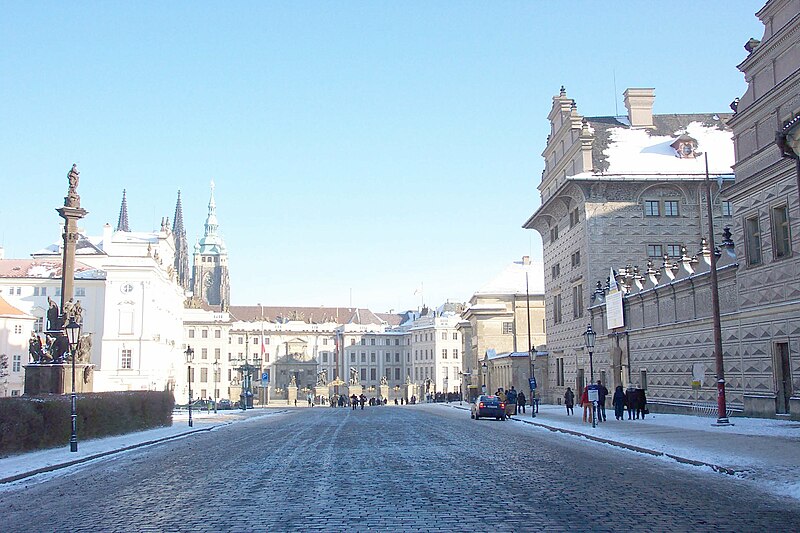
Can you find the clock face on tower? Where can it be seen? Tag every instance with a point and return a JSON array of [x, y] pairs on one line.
[[126, 288]]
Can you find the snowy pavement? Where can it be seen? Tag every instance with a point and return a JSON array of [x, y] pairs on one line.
[[766, 451], [24, 465]]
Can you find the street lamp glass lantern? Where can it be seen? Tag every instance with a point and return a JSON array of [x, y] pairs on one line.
[[189, 354], [73, 330], [589, 336]]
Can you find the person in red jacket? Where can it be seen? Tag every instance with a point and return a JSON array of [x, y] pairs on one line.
[[587, 405]]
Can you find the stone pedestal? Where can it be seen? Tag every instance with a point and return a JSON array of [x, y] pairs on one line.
[[384, 391], [321, 391], [57, 378], [355, 389], [410, 389], [292, 392]]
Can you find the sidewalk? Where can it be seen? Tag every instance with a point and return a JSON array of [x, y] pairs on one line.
[[763, 450], [28, 464]]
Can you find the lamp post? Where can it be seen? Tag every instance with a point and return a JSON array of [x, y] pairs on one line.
[[589, 337], [189, 358], [216, 380], [722, 411], [73, 331], [484, 367]]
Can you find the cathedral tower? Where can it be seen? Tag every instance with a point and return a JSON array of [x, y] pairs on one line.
[[210, 279], [181, 247]]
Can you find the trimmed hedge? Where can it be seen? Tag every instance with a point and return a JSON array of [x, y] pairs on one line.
[[34, 422]]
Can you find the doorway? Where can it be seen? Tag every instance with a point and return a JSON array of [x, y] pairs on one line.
[[783, 378]]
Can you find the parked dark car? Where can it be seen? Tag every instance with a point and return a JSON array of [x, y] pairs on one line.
[[203, 404], [491, 406], [225, 404]]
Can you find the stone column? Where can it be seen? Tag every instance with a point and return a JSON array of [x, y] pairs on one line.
[[71, 213], [292, 392], [384, 392]]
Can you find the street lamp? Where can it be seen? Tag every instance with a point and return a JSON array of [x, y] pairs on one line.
[[189, 358], [484, 367], [216, 380], [73, 330], [589, 337]]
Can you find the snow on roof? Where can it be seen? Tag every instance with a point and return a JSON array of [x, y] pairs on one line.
[[512, 279], [45, 268], [630, 151]]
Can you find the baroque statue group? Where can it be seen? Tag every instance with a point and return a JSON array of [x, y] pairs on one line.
[[55, 346]]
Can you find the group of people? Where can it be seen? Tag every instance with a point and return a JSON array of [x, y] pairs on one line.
[[515, 401], [635, 400], [353, 401]]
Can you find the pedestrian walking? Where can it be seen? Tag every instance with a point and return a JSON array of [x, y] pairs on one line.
[[588, 408], [631, 400], [511, 402], [362, 400], [641, 406], [602, 392], [353, 401], [521, 402], [618, 401], [569, 401]]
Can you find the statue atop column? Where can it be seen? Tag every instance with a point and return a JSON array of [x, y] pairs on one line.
[[53, 322], [73, 199]]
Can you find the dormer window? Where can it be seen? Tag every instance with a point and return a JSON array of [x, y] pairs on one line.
[[685, 147]]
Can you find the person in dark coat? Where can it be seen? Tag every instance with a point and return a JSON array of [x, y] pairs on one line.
[[569, 401], [521, 402], [618, 401], [631, 399], [641, 406], [602, 392], [353, 401]]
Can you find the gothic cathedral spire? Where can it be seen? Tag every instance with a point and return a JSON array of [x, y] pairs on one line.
[[122, 223], [181, 246], [210, 278]]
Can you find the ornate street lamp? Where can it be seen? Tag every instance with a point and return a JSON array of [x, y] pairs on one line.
[[73, 331], [484, 367], [589, 337], [216, 380], [189, 358]]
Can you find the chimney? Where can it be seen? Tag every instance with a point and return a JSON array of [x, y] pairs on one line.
[[526, 260], [639, 103]]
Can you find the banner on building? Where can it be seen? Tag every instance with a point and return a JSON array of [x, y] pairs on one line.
[[614, 315]]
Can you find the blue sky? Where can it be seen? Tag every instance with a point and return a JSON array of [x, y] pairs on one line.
[[359, 149]]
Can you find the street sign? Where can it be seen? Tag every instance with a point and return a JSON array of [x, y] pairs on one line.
[[593, 397], [264, 378], [532, 382]]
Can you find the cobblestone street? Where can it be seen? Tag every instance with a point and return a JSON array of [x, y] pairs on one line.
[[420, 468]]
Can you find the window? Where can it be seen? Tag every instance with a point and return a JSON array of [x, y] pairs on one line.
[[555, 270], [508, 328], [363, 342], [388, 373], [17, 329], [576, 259], [444, 335], [217, 353], [671, 208], [80, 291], [241, 340], [372, 342], [204, 353], [203, 376], [36, 291], [397, 342], [397, 357], [204, 334], [560, 372], [577, 301], [255, 340], [455, 335], [126, 359], [363, 357], [397, 374], [455, 353], [325, 341], [324, 357], [363, 374], [557, 309], [16, 363], [674, 250], [444, 353], [782, 246], [372, 357], [574, 217], [654, 250], [191, 334], [352, 357], [38, 326], [352, 342], [727, 208], [217, 334], [373, 374], [752, 241], [554, 234], [652, 208]]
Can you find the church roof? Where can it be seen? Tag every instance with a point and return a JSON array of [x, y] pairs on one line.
[[45, 268]]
